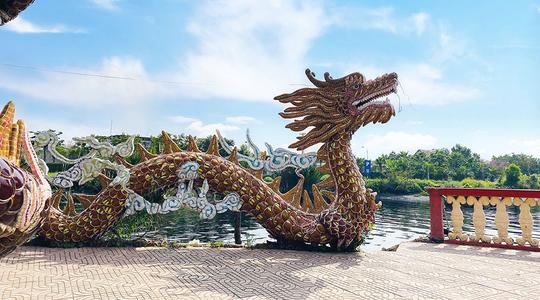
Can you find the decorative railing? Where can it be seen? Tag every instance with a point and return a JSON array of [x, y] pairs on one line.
[[480, 200]]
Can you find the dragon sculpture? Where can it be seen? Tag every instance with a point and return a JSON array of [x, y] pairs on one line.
[[339, 213], [10, 9]]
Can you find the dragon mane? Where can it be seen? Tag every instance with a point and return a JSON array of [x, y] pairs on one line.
[[321, 107]]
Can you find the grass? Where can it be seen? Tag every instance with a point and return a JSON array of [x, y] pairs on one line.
[[216, 244]]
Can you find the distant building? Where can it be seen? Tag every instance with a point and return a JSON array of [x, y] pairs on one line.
[[426, 152]]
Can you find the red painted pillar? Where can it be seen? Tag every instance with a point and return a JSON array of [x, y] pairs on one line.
[[436, 215]]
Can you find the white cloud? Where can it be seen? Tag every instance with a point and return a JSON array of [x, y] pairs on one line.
[[90, 91], [394, 141], [528, 146], [250, 50], [415, 122], [364, 18], [450, 48], [106, 4], [182, 119], [424, 84], [198, 128], [21, 25], [241, 120], [420, 21], [69, 130], [487, 148], [381, 18], [246, 51]]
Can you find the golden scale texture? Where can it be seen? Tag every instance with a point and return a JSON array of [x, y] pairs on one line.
[[355, 206], [280, 218]]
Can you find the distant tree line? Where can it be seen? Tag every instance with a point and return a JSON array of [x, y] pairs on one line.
[[458, 164], [396, 172]]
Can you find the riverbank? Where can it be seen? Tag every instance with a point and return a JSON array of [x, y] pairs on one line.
[[411, 186], [401, 218], [415, 270]]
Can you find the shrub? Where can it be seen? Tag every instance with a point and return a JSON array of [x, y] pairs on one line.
[[471, 182], [397, 185], [406, 186]]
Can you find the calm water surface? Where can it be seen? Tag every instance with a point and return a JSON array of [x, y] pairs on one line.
[[401, 218]]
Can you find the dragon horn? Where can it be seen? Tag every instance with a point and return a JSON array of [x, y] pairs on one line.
[[311, 76]]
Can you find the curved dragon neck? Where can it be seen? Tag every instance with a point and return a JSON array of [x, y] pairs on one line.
[[349, 183]]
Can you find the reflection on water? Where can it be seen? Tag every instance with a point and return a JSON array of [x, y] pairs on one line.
[[185, 225], [401, 218]]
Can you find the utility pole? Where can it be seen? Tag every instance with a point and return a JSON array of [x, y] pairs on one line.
[[367, 153]]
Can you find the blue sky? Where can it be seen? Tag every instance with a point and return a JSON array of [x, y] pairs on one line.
[[468, 69]]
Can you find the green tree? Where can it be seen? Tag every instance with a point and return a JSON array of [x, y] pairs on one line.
[[360, 165], [460, 162], [527, 163], [512, 173], [534, 182], [439, 164], [380, 163]]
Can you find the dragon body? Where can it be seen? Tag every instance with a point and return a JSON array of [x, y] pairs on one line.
[[339, 213]]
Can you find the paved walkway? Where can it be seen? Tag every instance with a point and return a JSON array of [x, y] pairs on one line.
[[415, 271]]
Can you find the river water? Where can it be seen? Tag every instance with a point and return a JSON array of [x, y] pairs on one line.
[[401, 218]]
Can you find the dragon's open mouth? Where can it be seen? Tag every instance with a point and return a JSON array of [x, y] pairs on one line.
[[370, 100]]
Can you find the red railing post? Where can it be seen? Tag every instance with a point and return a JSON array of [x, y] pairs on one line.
[[436, 215]]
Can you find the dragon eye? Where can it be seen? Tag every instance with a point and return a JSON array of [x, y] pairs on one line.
[[356, 86]]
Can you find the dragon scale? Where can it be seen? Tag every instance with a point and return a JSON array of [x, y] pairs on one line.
[[339, 213]]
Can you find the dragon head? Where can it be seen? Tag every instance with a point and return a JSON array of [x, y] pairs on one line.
[[337, 106]]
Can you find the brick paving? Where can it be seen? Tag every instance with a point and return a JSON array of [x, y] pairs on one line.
[[415, 271]]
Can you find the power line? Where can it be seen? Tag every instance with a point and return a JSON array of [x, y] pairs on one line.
[[105, 76]]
